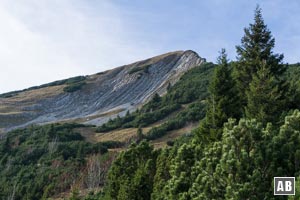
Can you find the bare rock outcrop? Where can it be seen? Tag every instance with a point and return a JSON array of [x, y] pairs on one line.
[[105, 95]]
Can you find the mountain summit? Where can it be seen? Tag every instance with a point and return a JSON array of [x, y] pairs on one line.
[[95, 98]]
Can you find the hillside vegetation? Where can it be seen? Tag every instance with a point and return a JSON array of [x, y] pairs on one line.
[[41, 161], [250, 134], [189, 93]]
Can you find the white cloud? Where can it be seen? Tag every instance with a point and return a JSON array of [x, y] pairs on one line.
[[46, 40], [42, 41]]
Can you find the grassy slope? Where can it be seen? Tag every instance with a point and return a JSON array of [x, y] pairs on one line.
[[68, 82]]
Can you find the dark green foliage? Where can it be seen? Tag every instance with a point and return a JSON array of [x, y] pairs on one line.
[[256, 47], [94, 196], [74, 87], [245, 155], [223, 101], [191, 87], [259, 74], [193, 113], [241, 165], [145, 119], [131, 175], [116, 123], [144, 69], [287, 144], [247, 171], [112, 144], [68, 81], [293, 72], [75, 195], [154, 104], [101, 73], [265, 100], [41, 161], [266, 95], [73, 80], [162, 175], [170, 143], [137, 120], [293, 94], [180, 180], [297, 192]]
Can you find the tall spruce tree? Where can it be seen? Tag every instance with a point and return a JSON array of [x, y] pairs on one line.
[[223, 101], [264, 98], [256, 47]]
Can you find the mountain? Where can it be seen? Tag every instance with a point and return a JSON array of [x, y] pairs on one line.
[[54, 160], [95, 98], [197, 132]]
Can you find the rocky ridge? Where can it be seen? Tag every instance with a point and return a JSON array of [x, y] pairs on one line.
[[104, 95]]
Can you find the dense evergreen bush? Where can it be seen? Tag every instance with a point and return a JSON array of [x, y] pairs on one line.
[[74, 87]]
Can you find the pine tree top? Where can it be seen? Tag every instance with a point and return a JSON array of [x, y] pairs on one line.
[[258, 42]]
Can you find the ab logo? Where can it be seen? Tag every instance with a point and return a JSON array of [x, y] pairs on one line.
[[284, 185]]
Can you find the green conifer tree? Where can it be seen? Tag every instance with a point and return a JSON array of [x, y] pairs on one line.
[[223, 101], [180, 171], [264, 97], [286, 146], [238, 166], [256, 47], [131, 173]]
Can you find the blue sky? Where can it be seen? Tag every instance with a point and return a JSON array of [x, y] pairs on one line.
[[47, 40]]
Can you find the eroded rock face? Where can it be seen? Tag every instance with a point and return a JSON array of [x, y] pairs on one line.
[[105, 95]]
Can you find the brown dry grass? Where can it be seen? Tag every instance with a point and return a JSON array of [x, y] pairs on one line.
[[153, 60], [16, 103], [122, 135], [37, 94], [88, 133], [172, 135]]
